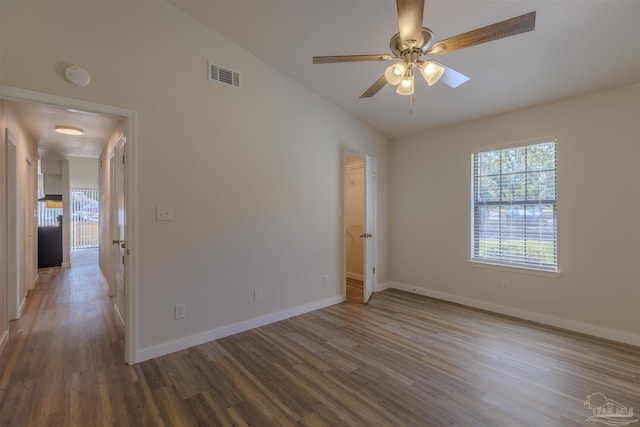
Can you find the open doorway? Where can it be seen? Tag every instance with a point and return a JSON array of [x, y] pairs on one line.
[[359, 226], [86, 203], [354, 228], [82, 174]]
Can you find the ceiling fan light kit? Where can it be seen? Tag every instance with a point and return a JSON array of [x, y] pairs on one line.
[[414, 41], [431, 71], [394, 73], [406, 85]]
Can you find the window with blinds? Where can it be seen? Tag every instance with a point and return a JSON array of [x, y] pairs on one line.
[[514, 207]]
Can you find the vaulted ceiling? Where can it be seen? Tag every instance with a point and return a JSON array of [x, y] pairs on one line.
[[577, 47]]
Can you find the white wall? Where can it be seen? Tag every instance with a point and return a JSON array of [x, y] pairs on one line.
[[83, 173], [253, 175], [598, 160], [4, 321], [27, 169]]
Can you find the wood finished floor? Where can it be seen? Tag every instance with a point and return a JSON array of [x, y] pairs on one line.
[[401, 360], [355, 291]]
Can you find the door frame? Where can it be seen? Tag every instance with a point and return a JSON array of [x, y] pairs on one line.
[[118, 234], [130, 119], [14, 249], [112, 214], [370, 224], [371, 214]]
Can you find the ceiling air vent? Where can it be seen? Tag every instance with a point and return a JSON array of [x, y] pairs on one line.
[[223, 75]]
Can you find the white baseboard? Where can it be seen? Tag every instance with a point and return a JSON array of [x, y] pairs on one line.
[[23, 303], [4, 339], [115, 308], [65, 265], [355, 276], [106, 283], [382, 286], [35, 282], [571, 325], [224, 331]]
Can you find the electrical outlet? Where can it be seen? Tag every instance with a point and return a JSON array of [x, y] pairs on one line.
[[179, 311], [164, 213], [257, 295], [325, 280], [506, 287]]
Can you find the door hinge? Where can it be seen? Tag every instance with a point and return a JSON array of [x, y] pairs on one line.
[[123, 160], [122, 259], [374, 270]]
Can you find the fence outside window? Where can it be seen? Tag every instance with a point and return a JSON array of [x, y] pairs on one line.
[[83, 217]]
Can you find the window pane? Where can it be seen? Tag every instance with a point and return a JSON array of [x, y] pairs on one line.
[[488, 163], [541, 156], [488, 188], [548, 185], [513, 160], [541, 185], [513, 187]]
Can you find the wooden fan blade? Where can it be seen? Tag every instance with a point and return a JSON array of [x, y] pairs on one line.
[[410, 15], [375, 88], [351, 58], [499, 30]]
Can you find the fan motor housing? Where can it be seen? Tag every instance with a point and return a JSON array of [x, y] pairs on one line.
[[397, 47]]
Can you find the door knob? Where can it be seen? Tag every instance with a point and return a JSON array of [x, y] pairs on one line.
[[115, 242], [366, 235]]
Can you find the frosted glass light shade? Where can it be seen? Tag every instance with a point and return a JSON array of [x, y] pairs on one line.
[[69, 130], [431, 71], [406, 86], [394, 73]]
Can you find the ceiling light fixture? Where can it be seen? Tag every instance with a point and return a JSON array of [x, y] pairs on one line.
[[69, 130], [394, 73], [401, 75], [431, 71], [406, 84]]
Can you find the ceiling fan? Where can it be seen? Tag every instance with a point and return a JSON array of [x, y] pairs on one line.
[[414, 41]]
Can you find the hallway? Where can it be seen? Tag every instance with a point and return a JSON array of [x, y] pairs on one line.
[[66, 352]]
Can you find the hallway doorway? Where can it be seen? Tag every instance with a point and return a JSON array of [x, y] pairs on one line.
[[60, 109], [359, 226]]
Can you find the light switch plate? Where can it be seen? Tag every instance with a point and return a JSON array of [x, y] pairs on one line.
[[179, 311], [164, 213]]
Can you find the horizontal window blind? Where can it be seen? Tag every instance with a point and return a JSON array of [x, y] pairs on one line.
[[514, 206]]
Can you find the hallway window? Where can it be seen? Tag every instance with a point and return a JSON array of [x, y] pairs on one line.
[[84, 219]]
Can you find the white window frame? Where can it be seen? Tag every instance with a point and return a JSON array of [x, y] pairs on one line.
[[501, 263]]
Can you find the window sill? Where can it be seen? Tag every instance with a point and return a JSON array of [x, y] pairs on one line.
[[512, 268]]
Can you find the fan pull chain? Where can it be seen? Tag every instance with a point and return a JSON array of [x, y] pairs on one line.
[[413, 99]]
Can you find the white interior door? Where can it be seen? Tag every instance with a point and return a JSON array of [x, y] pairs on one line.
[[13, 249], [119, 220], [370, 188]]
